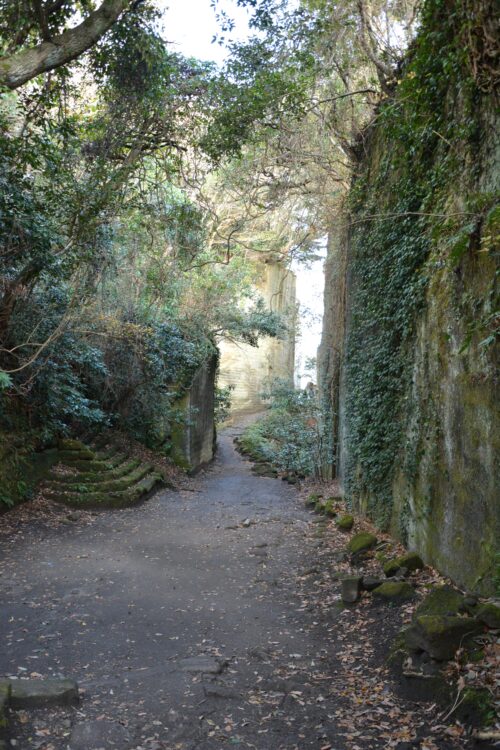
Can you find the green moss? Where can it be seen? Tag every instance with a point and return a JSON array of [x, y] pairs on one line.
[[394, 591], [411, 561], [476, 707], [345, 523], [115, 499], [489, 614], [329, 509], [391, 568], [110, 485], [68, 444], [442, 600], [362, 542], [119, 471]]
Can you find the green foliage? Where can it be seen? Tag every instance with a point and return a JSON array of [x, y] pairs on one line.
[[398, 234], [289, 436], [223, 398]]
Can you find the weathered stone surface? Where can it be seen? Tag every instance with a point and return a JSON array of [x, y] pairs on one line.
[[329, 509], [394, 591], [440, 635], [361, 542], [391, 568], [411, 561], [345, 523], [443, 600], [204, 664], [36, 693], [68, 444], [488, 614], [351, 589], [94, 735], [370, 582]]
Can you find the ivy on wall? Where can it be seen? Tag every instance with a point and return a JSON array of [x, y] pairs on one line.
[[423, 149]]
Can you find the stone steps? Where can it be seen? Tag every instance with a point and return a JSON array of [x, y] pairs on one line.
[[100, 475]]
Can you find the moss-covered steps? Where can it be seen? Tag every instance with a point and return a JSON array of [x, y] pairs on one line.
[[99, 475]]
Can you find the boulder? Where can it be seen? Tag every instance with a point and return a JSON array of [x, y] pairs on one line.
[[394, 591], [391, 568], [488, 614], [329, 509], [443, 600], [351, 589], [411, 561], [369, 583], [345, 523], [362, 542], [37, 693], [440, 636]]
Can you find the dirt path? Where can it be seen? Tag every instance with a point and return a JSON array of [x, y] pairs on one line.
[[184, 626]]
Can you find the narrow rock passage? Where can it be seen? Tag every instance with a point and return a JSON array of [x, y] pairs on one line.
[[202, 619], [177, 619]]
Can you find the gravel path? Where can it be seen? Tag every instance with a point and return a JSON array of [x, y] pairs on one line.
[[201, 620], [179, 620]]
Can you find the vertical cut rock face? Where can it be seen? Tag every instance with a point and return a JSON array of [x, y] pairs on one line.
[[409, 362], [248, 368]]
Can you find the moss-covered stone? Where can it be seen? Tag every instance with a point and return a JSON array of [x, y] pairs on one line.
[[391, 568], [96, 476], [310, 501], [394, 591], [442, 600], [488, 614], [411, 561], [111, 485], [76, 456], [69, 444], [329, 509], [362, 542], [440, 636], [345, 523], [476, 707], [314, 497], [118, 499], [319, 507]]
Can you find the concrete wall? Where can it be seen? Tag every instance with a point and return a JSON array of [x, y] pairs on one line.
[[193, 435], [248, 368]]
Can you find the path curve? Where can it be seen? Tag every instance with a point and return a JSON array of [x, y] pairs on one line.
[[133, 604]]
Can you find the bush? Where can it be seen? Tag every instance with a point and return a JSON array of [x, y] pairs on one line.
[[290, 436]]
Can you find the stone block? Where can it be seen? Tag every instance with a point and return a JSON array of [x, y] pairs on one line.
[[38, 693], [351, 589]]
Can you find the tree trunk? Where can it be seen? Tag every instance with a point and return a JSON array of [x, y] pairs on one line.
[[22, 66]]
